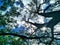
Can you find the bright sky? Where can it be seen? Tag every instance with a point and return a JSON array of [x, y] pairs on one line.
[[26, 1]]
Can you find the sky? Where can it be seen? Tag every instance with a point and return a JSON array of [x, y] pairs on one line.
[[26, 1], [1, 3]]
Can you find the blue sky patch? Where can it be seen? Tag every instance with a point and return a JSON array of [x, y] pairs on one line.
[[1, 3]]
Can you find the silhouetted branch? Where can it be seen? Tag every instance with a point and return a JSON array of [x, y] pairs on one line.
[[37, 25], [47, 7], [25, 37], [22, 36], [50, 14]]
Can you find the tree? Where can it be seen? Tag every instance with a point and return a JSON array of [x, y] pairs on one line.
[[18, 12]]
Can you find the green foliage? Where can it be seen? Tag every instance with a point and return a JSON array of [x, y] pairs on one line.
[[11, 40]]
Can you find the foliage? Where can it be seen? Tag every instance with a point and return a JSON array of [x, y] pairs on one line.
[[23, 20]]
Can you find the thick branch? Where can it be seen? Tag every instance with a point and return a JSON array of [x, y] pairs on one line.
[[22, 36], [50, 14], [36, 24]]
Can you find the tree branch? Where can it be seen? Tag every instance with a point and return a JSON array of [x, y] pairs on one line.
[[49, 14], [36, 24], [22, 36]]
